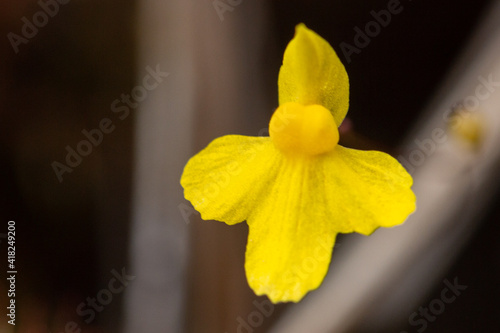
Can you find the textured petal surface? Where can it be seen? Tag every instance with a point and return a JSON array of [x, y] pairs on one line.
[[366, 190], [292, 231], [225, 180], [290, 236], [313, 74]]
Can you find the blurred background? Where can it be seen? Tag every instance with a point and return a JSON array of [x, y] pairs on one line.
[[103, 102]]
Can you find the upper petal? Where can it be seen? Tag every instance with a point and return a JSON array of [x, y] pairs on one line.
[[224, 180], [313, 74]]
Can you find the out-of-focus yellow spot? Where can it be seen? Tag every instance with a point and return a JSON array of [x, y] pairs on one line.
[[468, 127]]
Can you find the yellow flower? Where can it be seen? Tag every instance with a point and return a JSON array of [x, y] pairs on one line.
[[298, 188]]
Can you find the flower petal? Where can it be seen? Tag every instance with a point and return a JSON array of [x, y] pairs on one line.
[[290, 236], [224, 180], [365, 190], [292, 231], [313, 74]]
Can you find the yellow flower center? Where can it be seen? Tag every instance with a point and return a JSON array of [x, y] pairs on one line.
[[300, 129]]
